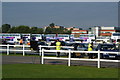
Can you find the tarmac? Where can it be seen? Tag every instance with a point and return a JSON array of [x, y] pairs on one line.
[[10, 59]]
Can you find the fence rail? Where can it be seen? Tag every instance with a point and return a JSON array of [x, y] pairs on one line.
[[69, 52]]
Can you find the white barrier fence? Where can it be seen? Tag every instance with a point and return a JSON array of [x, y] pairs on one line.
[[8, 48], [41, 53], [71, 51]]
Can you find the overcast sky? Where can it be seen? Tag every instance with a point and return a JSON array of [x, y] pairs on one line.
[[68, 14]]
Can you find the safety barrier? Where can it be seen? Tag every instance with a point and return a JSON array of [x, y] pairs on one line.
[[72, 51], [23, 50], [42, 50], [21, 46]]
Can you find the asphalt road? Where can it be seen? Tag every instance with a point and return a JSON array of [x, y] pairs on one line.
[[37, 60]]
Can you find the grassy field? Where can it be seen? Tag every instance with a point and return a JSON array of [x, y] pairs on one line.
[[56, 71]]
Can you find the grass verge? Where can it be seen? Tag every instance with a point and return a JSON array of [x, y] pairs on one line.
[[56, 71]]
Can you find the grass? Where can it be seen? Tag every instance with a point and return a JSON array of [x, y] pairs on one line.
[[56, 71]]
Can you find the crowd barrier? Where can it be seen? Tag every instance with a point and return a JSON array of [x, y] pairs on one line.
[[42, 51]]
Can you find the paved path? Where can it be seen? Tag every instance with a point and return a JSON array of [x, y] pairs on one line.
[[37, 60]]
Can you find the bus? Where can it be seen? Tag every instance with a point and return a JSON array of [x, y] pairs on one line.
[[25, 37], [89, 36], [64, 37], [10, 36], [83, 37], [115, 36], [37, 36], [50, 37]]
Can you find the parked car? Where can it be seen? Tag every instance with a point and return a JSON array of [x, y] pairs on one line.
[[77, 47], [43, 44], [80, 47], [6, 41], [108, 48], [10, 42]]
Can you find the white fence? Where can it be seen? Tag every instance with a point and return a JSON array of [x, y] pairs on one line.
[[42, 51], [8, 48]]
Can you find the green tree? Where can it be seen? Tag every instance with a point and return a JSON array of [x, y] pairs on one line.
[[61, 30], [5, 28], [12, 30], [52, 25], [22, 29], [48, 30], [33, 30], [40, 30]]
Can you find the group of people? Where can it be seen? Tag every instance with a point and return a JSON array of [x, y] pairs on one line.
[[90, 48]]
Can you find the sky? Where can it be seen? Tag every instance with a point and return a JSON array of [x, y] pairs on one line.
[[67, 14]]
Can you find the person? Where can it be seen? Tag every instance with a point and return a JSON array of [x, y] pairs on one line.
[[104, 42], [21, 41], [119, 45], [28, 43], [58, 47], [81, 41], [90, 48], [75, 48]]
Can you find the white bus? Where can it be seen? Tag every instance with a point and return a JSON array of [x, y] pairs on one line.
[[37, 36], [25, 37], [84, 37], [115, 36], [89, 36], [64, 37], [10, 36]]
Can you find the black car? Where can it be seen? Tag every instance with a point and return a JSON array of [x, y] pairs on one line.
[[43, 44], [35, 45], [7, 41], [108, 48]]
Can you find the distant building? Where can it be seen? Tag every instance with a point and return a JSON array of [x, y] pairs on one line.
[[73, 28], [104, 31], [76, 29], [79, 31], [69, 28], [58, 26]]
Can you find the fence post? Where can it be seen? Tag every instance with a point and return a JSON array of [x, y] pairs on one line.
[[98, 58], [69, 57], [23, 50], [8, 49], [40, 50], [42, 61]]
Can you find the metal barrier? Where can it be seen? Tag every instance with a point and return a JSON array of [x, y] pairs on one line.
[[41, 53]]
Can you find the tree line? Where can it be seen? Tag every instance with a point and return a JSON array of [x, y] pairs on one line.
[[7, 28]]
